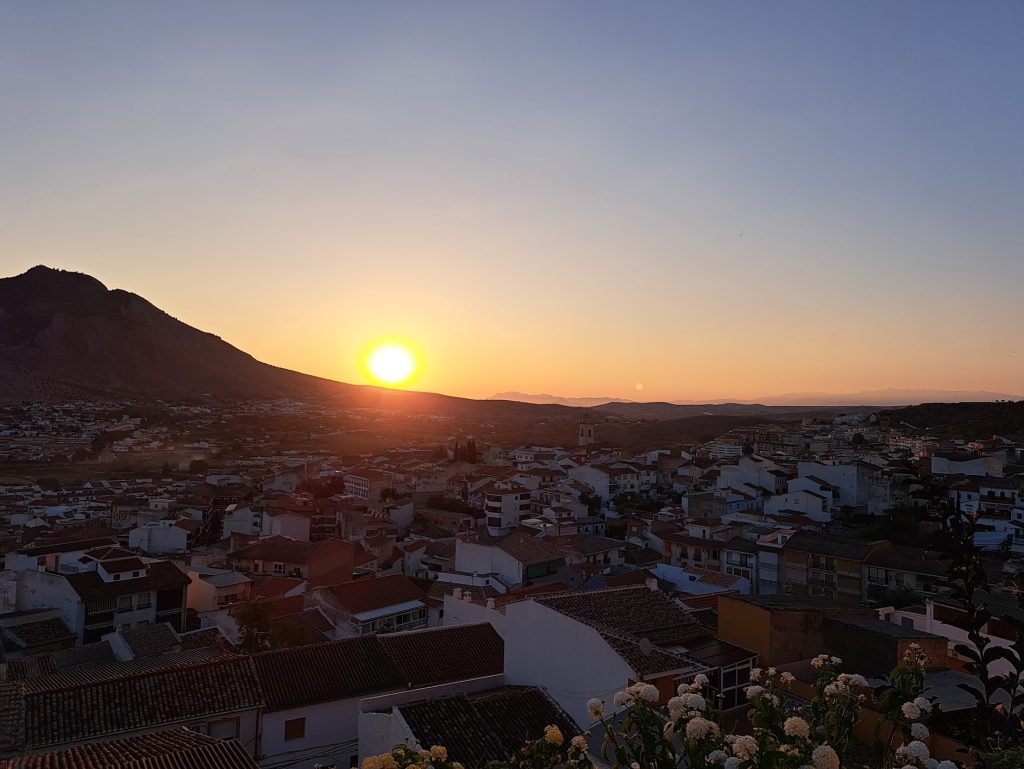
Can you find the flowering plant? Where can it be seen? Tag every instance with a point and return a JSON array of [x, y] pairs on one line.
[[686, 733]]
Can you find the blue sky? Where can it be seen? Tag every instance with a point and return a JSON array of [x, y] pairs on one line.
[[710, 199]]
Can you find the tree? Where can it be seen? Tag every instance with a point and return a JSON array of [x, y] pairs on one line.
[[253, 619], [198, 466], [858, 439], [286, 635], [995, 733]]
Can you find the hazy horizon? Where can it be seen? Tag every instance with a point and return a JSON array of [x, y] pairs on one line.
[[712, 201]]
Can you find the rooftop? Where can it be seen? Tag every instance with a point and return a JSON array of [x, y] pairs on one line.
[[486, 726]]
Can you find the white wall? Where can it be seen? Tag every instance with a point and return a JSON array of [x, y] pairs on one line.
[[332, 735], [808, 503], [381, 725], [471, 558], [568, 658], [42, 590], [157, 538], [460, 612], [286, 525]]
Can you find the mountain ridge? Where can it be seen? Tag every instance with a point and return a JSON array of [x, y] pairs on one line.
[[65, 336], [883, 397]]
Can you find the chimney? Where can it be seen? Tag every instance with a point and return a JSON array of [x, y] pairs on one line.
[[457, 594], [490, 603], [652, 583], [467, 597]]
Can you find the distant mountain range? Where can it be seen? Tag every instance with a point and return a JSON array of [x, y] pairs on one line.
[[561, 401], [65, 336], [885, 397]]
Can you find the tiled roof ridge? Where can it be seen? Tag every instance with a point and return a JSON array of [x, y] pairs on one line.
[[425, 630], [222, 658], [567, 593]]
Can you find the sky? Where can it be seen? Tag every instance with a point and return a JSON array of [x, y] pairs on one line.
[[699, 199]]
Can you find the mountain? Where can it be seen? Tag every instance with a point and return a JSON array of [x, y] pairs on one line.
[[65, 335], [864, 400], [886, 397], [555, 399]]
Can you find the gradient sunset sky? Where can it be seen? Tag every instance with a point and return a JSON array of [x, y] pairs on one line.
[[711, 199]]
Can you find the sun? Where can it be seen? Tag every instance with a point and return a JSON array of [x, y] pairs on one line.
[[391, 364]]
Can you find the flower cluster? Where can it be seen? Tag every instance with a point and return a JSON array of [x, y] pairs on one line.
[[687, 730], [405, 757]]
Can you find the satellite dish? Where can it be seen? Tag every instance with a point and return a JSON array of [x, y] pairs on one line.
[[646, 647]]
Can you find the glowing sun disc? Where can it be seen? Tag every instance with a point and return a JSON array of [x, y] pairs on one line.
[[391, 364]]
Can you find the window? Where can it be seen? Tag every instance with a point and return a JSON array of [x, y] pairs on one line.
[[144, 601], [124, 603], [225, 729], [278, 568], [294, 729]]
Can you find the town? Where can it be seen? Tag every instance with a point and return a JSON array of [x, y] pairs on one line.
[[288, 584]]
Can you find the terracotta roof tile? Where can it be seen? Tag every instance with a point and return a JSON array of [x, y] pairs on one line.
[[276, 548], [170, 749], [364, 595], [439, 655], [486, 726], [155, 639], [160, 575], [328, 671], [140, 702], [633, 611]]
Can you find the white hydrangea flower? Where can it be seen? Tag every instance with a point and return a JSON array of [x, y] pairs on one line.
[[787, 678], [694, 701], [595, 708], [824, 757], [923, 704], [701, 679], [772, 672], [732, 762], [716, 757], [910, 711], [946, 765], [796, 727], [699, 728], [745, 746], [858, 680], [649, 693], [621, 699], [579, 742], [919, 731], [916, 749], [753, 691], [755, 674]]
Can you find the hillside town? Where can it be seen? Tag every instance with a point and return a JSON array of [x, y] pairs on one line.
[[257, 600]]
